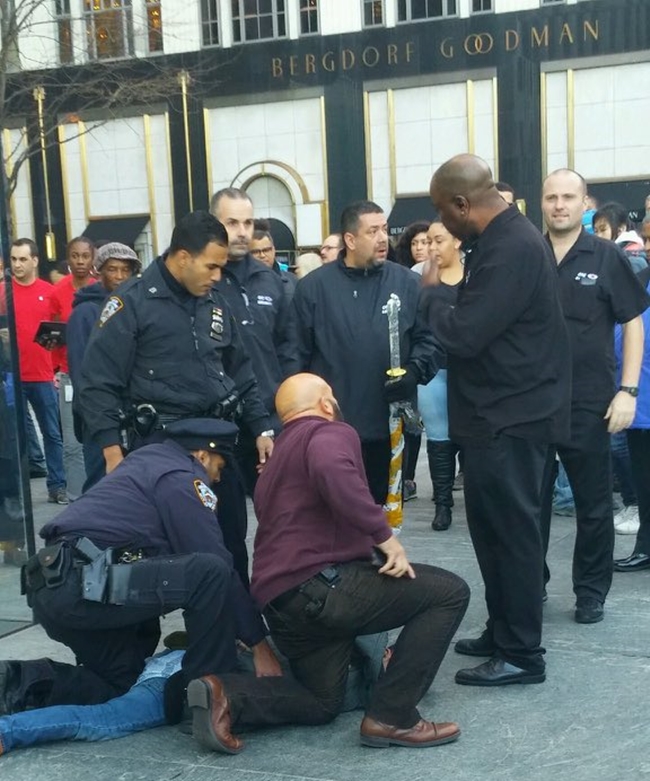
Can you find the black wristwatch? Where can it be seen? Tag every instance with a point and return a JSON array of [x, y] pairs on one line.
[[633, 390]]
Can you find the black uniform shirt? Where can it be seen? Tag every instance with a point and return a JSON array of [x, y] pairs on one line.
[[598, 289], [157, 500], [257, 298], [506, 340], [179, 354]]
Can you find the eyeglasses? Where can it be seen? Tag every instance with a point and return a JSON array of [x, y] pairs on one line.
[[262, 250]]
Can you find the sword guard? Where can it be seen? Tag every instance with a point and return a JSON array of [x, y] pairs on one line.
[[395, 374]]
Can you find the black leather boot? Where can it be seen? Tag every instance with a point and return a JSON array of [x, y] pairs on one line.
[[442, 467]]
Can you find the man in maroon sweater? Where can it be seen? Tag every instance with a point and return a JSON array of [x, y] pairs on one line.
[[316, 581]]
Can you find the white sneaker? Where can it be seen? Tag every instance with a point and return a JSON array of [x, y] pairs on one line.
[[627, 521]]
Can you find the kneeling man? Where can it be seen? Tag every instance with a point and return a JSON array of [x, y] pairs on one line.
[[326, 569]]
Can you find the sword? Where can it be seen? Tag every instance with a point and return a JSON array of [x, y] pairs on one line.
[[394, 506]]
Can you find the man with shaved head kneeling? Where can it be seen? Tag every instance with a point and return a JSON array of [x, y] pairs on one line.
[[326, 569]]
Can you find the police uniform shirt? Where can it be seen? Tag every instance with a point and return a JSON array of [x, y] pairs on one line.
[[158, 500], [183, 355], [598, 289]]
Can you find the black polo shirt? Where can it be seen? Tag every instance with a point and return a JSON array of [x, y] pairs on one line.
[[598, 289], [506, 339]]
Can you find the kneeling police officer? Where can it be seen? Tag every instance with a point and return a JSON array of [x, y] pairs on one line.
[[124, 554]]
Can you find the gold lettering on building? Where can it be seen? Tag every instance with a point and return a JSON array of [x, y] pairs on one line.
[[566, 33], [347, 59], [370, 57], [293, 64], [447, 48], [276, 67], [391, 54], [539, 39], [478, 43], [512, 40], [410, 48], [588, 28], [310, 63], [328, 62]]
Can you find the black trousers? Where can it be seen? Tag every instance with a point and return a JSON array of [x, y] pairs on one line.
[[503, 480], [376, 462], [638, 440], [316, 634], [588, 464], [111, 642], [233, 518]]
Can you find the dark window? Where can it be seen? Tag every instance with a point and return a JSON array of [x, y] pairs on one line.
[[154, 26], [481, 6], [373, 13], [64, 25], [308, 17], [413, 10], [210, 22], [109, 28], [254, 20]]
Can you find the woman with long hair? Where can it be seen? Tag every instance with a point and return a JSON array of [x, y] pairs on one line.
[[441, 281]]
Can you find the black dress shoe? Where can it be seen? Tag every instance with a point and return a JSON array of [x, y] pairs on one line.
[[589, 610], [632, 563], [497, 672], [480, 646]]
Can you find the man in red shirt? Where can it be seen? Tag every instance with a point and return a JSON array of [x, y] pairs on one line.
[[80, 254], [32, 304]]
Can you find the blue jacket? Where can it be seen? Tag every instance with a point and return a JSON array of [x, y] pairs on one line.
[[642, 417], [86, 308], [157, 500]]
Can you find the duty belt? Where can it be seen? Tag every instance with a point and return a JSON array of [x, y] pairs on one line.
[[311, 590]]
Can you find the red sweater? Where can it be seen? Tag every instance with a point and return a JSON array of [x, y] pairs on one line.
[[62, 298], [32, 304], [313, 506]]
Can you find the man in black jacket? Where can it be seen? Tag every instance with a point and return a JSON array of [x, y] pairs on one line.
[[343, 334], [168, 339], [509, 390], [256, 296]]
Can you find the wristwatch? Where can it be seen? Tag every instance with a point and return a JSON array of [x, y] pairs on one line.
[[269, 433], [633, 390]]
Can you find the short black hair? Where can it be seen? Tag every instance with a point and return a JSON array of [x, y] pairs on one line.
[[261, 224], [614, 214], [33, 249], [351, 214], [258, 235], [80, 240], [504, 187], [228, 192], [195, 231]]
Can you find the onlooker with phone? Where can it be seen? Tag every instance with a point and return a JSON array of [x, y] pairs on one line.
[[33, 305]]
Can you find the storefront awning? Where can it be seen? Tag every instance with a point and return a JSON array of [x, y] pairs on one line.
[[123, 229], [408, 210]]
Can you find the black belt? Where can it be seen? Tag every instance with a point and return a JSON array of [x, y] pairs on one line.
[[328, 576]]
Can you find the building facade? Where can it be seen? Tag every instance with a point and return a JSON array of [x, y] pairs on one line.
[[309, 104]]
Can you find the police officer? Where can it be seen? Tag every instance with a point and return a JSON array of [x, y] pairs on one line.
[[258, 299], [127, 552], [168, 339]]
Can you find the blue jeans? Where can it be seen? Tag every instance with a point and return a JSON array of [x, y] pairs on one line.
[[140, 708], [45, 403], [34, 450], [562, 494], [432, 405]]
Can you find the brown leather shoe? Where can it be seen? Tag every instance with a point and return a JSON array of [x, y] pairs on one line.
[[211, 715], [421, 735]]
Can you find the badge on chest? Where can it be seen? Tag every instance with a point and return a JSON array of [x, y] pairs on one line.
[[216, 326]]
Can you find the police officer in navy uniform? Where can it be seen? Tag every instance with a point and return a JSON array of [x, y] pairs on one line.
[[167, 339], [154, 514]]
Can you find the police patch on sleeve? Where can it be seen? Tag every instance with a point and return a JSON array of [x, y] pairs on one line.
[[205, 494], [111, 307]]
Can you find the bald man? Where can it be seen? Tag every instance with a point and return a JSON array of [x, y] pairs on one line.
[[315, 579], [598, 289], [508, 391]]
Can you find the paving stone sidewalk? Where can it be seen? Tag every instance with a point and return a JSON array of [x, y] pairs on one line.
[[589, 721]]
